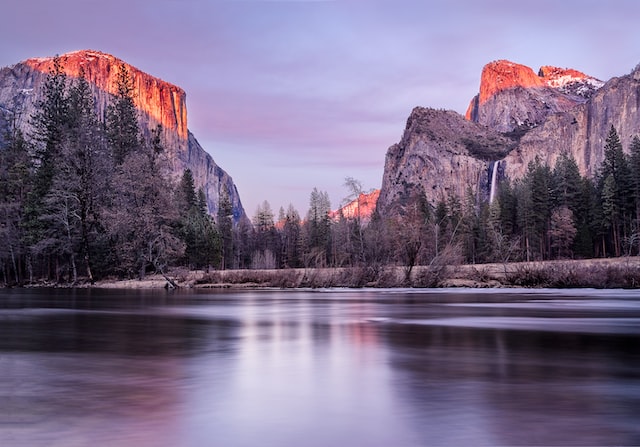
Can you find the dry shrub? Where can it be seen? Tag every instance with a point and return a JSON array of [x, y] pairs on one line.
[[528, 275], [263, 278], [322, 278], [482, 275], [285, 279], [429, 277], [621, 276], [575, 275]]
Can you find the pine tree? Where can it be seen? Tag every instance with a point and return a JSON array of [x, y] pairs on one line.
[[122, 120], [507, 214], [187, 192], [634, 169], [291, 238], [534, 206], [566, 182], [266, 240], [610, 209], [617, 195], [317, 229], [50, 123], [197, 228], [225, 228], [15, 173]]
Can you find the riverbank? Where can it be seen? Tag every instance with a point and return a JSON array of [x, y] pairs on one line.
[[593, 273]]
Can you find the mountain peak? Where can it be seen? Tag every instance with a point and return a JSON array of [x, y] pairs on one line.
[[502, 75], [513, 97], [163, 101], [569, 81]]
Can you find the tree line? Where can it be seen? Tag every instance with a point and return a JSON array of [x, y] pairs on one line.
[[550, 213], [86, 197]]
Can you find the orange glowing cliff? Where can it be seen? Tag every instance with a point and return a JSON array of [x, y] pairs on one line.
[[362, 207], [164, 102]]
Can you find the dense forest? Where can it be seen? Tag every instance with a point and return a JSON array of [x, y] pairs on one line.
[[84, 197]]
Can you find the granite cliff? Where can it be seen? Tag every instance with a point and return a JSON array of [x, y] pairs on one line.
[[517, 116], [157, 102], [361, 207], [440, 154], [513, 97]]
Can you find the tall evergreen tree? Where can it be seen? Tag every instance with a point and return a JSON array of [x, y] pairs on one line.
[[50, 123], [566, 182], [15, 175], [123, 131], [616, 192], [266, 244], [291, 238], [225, 228], [611, 211], [634, 169], [198, 231], [533, 194], [318, 229], [187, 197]]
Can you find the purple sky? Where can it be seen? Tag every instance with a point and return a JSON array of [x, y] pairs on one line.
[[288, 95]]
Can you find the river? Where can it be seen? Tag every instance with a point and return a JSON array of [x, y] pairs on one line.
[[319, 368]]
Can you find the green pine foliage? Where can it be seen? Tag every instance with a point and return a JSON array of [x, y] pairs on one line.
[[123, 132]]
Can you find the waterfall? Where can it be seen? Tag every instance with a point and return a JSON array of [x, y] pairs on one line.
[[494, 179]]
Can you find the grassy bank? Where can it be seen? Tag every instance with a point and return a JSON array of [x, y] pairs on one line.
[[595, 273]]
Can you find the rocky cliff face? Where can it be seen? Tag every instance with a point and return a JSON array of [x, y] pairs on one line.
[[157, 101], [362, 207], [441, 153], [513, 97]]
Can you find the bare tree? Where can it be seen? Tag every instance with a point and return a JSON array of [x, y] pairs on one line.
[[563, 230]]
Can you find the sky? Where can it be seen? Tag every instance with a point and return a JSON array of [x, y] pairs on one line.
[[288, 95]]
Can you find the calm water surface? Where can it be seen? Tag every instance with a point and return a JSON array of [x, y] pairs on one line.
[[319, 368]]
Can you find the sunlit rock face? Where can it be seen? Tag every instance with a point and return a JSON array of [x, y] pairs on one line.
[[160, 100], [513, 97], [361, 207], [157, 102]]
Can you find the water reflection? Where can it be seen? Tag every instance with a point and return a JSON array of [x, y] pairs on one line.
[[497, 387], [373, 368]]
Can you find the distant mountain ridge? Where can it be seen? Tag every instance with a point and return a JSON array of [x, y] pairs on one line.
[[516, 117], [157, 102], [362, 207]]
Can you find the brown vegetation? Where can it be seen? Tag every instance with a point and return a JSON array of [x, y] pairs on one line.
[[593, 273]]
